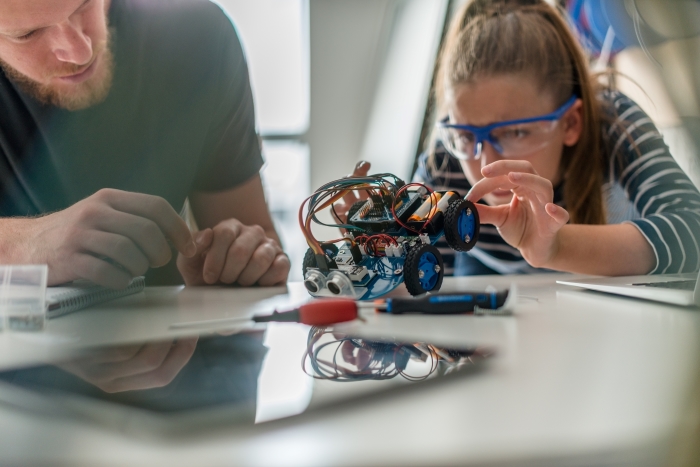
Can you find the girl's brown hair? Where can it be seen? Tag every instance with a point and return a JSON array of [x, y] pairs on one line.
[[494, 37]]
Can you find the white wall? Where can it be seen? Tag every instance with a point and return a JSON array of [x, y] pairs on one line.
[[371, 66], [347, 38]]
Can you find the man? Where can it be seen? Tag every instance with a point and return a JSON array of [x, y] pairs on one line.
[[112, 114]]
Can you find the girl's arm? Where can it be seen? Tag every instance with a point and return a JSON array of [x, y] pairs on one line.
[[607, 250], [664, 238], [667, 202], [537, 227]]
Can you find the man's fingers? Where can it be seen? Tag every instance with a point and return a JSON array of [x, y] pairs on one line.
[[203, 240], [144, 232], [100, 272], [277, 273], [259, 263], [156, 209], [241, 252], [149, 358], [495, 215], [503, 167], [487, 185], [111, 354], [224, 237], [176, 359], [192, 268], [118, 248]]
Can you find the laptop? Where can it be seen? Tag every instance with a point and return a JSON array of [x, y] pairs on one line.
[[676, 289]]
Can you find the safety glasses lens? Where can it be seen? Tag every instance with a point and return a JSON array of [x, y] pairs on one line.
[[460, 143], [523, 139]]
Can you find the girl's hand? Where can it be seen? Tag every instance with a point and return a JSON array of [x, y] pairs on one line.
[[531, 221], [340, 213]]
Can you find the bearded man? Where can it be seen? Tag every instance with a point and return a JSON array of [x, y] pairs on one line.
[[112, 114]]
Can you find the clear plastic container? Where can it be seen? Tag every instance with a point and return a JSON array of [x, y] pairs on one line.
[[23, 296]]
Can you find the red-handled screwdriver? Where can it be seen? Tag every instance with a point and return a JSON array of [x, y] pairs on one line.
[[321, 312], [327, 311]]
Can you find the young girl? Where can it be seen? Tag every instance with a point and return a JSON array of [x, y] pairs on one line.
[[572, 177]]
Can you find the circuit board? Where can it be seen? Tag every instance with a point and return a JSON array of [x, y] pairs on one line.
[[387, 240], [376, 216], [377, 275]]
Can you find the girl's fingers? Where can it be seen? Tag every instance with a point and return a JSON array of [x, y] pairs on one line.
[[487, 185], [531, 197], [503, 167], [349, 199], [361, 170], [539, 185], [495, 215], [557, 213]]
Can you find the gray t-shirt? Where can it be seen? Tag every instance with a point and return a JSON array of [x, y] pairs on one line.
[[179, 117]]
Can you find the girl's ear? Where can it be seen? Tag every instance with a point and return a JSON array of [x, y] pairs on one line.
[[572, 123]]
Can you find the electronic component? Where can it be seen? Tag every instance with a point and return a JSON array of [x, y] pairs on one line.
[[356, 253], [314, 280], [387, 239], [340, 284], [357, 273], [421, 214], [376, 216], [345, 258]]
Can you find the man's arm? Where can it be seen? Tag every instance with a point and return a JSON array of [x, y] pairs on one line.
[[237, 242], [245, 202]]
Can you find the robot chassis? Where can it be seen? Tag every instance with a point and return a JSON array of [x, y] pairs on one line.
[[390, 237]]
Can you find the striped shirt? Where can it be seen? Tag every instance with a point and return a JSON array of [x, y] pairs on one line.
[[643, 186]]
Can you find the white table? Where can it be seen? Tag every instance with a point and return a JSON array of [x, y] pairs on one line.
[[580, 379]]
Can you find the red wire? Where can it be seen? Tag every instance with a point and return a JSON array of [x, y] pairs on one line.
[[393, 206]]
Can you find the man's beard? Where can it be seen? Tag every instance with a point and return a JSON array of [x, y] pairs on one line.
[[83, 95]]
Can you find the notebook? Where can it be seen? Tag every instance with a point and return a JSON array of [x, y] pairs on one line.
[[63, 300]]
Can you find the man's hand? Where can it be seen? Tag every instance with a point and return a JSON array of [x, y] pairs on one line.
[[133, 367], [108, 238], [235, 253]]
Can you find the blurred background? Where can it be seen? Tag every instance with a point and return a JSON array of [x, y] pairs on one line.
[[338, 81]]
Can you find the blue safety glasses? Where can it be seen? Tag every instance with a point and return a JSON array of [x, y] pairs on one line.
[[511, 139]]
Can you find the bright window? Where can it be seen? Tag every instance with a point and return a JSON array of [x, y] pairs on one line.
[[274, 34]]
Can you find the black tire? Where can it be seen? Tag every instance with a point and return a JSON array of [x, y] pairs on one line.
[[310, 259], [454, 232], [415, 284], [353, 209]]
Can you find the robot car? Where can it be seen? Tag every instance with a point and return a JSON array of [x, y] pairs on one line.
[[389, 238]]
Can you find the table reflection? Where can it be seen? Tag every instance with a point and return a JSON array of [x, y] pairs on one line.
[[132, 367], [165, 376], [253, 376], [339, 357]]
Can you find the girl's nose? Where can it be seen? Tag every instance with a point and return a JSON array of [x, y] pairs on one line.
[[478, 148], [486, 153]]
